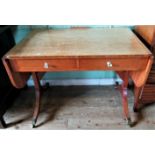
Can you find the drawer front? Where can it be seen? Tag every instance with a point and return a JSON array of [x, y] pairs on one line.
[[25, 65], [116, 64]]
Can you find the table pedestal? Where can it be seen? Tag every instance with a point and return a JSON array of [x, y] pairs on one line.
[[38, 96], [123, 89]]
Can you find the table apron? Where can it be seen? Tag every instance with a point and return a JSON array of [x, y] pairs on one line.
[[81, 64]]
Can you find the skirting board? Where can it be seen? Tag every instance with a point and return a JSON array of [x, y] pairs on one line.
[[78, 82]]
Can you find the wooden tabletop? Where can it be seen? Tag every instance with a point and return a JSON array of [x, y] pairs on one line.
[[79, 43]]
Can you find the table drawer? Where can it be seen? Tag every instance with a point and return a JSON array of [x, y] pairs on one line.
[[117, 64], [24, 65]]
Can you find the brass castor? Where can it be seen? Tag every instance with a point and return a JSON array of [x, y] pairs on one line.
[[130, 123], [135, 109], [33, 123]]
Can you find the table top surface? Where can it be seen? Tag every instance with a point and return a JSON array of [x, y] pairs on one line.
[[89, 42]]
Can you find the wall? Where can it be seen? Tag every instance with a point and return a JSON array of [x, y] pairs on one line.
[[70, 78]]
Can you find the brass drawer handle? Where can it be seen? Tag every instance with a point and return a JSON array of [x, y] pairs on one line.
[[109, 64], [46, 66]]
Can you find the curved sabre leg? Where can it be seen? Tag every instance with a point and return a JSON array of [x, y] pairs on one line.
[[38, 97], [124, 92], [125, 105], [137, 92]]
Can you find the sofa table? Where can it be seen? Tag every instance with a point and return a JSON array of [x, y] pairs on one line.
[[116, 49]]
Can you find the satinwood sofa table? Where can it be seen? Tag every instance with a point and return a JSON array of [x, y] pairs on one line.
[[116, 49]]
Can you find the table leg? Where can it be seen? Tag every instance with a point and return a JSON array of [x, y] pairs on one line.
[[38, 96], [137, 93], [124, 93]]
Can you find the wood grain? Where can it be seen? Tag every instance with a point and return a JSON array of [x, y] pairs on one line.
[[64, 64], [118, 64], [79, 50], [146, 94], [147, 32], [79, 42], [35, 65], [140, 77], [17, 79]]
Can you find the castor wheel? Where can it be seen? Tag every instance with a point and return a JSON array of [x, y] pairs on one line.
[[130, 123], [135, 109], [33, 126]]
